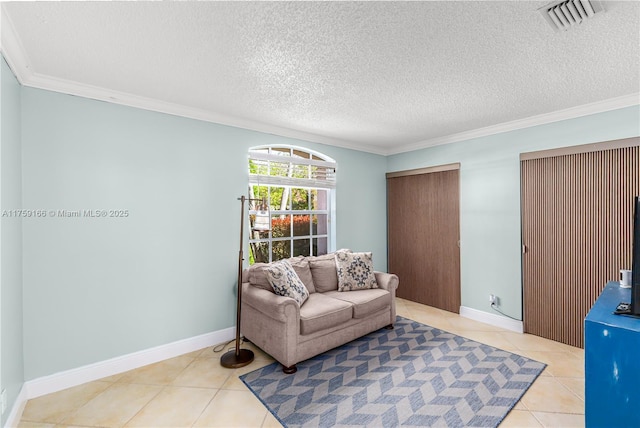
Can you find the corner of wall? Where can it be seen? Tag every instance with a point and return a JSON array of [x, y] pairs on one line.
[[12, 380]]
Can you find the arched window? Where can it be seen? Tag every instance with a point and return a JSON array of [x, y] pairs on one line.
[[298, 186]]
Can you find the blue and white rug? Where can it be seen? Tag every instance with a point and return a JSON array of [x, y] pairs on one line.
[[414, 375]]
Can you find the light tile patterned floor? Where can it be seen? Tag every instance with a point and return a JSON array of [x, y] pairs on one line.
[[193, 390]]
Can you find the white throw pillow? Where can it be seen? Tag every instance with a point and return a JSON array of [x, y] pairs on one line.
[[286, 282], [355, 271]]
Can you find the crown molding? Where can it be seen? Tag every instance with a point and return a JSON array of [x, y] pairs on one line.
[[542, 119], [39, 81], [15, 55], [12, 49]]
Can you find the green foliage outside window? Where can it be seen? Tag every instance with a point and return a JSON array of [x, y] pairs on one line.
[[281, 228], [297, 237]]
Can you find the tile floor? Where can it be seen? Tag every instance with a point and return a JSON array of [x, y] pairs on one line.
[[193, 390]]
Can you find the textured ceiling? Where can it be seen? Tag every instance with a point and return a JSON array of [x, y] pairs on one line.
[[378, 76]]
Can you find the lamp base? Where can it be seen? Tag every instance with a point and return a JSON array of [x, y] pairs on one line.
[[232, 361]]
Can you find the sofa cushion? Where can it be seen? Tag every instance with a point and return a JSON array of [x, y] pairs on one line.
[[285, 281], [321, 312], [364, 302], [257, 274], [355, 271], [301, 266], [323, 271]]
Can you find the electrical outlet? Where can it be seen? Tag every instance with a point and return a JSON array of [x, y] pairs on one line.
[[492, 299], [3, 398]]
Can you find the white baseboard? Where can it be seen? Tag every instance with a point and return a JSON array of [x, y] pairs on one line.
[[18, 407], [63, 380], [496, 320]]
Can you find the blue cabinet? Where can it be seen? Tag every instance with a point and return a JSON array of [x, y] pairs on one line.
[[612, 362]]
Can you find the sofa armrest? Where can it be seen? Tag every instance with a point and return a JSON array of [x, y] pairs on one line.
[[279, 308], [387, 281], [271, 322]]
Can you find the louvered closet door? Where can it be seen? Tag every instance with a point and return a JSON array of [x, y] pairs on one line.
[[576, 231], [423, 232]]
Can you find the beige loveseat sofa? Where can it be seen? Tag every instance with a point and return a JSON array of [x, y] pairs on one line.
[[328, 318]]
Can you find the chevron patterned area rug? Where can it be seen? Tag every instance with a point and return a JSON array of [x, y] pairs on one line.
[[414, 375]]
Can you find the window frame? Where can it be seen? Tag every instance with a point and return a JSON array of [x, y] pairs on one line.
[[325, 183]]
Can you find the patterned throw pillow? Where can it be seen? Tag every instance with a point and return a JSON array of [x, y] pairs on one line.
[[285, 281], [355, 271]]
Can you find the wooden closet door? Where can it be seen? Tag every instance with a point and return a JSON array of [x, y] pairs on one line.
[[423, 215], [576, 230]]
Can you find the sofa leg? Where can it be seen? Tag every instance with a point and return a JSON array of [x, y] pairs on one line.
[[290, 370], [389, 327]]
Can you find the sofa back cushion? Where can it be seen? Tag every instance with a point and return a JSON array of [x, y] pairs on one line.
[[301, 266], [324, 273], [257, 274]]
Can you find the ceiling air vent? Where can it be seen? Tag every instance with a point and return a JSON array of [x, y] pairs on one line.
[[564, 14]]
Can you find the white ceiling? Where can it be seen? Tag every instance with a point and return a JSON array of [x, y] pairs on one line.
[[384, 77]]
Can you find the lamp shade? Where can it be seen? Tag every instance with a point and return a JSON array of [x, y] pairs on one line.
[[262, 221]]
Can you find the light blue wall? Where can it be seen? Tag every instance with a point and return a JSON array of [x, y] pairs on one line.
[[11, 333], [97, 288], [490, 196], [361, 203]]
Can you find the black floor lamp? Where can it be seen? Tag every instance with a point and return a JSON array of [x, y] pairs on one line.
[[239, 357]]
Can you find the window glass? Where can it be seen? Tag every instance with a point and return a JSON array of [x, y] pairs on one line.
[[301, 247], [290, 208], [281, 250], [301, 226]]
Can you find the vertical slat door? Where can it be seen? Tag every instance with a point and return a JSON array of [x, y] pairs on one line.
[[423, 237], [576, 231]]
